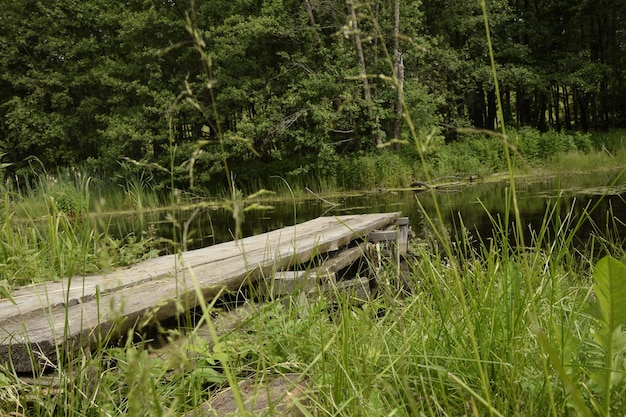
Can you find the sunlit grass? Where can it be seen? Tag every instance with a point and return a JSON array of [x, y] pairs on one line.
[[49, 233], [402, 354], [600, 160]]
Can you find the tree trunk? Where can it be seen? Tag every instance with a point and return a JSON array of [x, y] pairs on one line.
[[476, 106], [523, 107], [583, 102], [376, 19], [309, 12], [396, 32], [399, 71], [397, 128], [540, 100], [354, 26], [567, 110], [557, 107], [491, 113], [507, 107], [575, 103], [550, 108], [616, 56]]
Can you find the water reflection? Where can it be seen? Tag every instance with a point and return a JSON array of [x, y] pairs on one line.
[[474, 206]]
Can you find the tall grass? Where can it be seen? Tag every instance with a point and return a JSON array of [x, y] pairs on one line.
[[499, 327], [475, 153], [51, 229], [611, 142], [465, 343]]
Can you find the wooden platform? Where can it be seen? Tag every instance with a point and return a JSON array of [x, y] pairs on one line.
[[43, 322]]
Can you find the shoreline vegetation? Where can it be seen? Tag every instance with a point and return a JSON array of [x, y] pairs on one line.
[[476, 157], [437, 351], [55, 216]]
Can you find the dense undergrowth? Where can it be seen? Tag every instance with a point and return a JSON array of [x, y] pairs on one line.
[[479, 154], [496, 327], [57, 225], [491, 328]]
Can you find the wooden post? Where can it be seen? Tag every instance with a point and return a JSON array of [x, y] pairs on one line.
[[388, 238], [403, 235], [383, 236]]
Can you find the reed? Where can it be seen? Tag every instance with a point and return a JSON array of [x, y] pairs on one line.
[[48, 231]]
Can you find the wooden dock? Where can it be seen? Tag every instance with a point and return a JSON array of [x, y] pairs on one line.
[[43, 322]]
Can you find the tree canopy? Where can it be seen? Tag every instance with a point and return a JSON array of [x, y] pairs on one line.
[[301, 82]]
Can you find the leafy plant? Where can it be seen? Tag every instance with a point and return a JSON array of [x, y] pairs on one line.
[[610, 289], [65, 198]]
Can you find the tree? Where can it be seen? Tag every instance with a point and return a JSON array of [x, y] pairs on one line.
[[82, 81]]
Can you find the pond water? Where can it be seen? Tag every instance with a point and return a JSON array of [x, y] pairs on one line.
[[476, 204]]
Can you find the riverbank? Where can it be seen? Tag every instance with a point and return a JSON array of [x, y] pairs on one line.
[[491, 330], [459, 343], [65, 230]]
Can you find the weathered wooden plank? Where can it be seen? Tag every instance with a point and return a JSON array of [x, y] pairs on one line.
[[318, 280], [288, 282], [279, 395], [81, 289], [58, 317], [344, 259], [357, 289], [383, 236]]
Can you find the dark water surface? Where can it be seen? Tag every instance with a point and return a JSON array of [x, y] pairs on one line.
[[471, 206]]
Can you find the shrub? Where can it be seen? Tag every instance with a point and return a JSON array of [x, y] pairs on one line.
[[472, 154], [358, 172], [582, 141], [535, 146], [66, 198], [611, 141], [385, 169]]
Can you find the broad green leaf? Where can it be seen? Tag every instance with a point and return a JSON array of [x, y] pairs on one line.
[[610, 288], [607, 377]]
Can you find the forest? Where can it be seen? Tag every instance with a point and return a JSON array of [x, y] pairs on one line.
[[291, 87]]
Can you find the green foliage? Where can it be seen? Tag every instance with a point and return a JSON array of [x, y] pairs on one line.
[[286, 81], [49, 234], [378, 170], [359, 173], [83, 81], [96, 90], [554, 65], [610, 289], [467, 323], [472, 154], [138, 193], [582, 142], [66, 199], [484, 319], [130, 250], [534, 146], [612, 141]]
